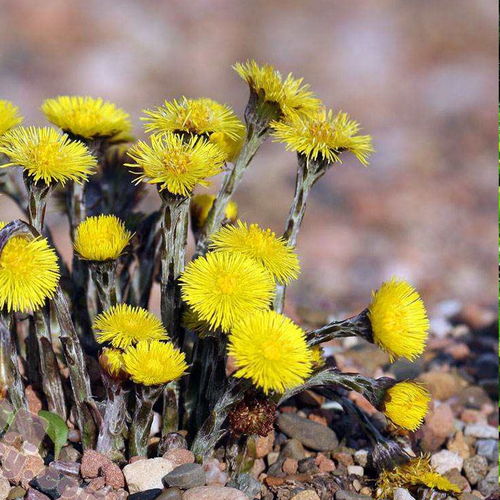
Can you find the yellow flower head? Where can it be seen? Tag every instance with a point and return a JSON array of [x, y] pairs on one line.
[[176, 164], [261, 245], [9, 116], [398, 320], [86, 117], [101, 237], [29, 273], [406, 404], [111, 361], [123, 325], [201, 205], [291, 94], [271, 350], [417, 472], [154, 362], [224, 287], [205, 117], [324, 136], [47, 155]]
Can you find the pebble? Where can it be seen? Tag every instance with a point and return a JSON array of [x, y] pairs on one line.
[[361, 457], [438, 426], [475, 468], [173, 441], [481, 431], [343, 458], [403, 494], [473, 397], [170, 494], [146, 495], [69, 468], [488, 448], [489, 484], [214, 493], [34, 495], [264, 445], [349, 495], [16, 492], [179, 456], [442, 385], [18, 467], [293, 449], [185, 476], [356, 470], [308, 466], [4, 485], [53, 483], [324, 464], [113, 476], [146, 474], [92, 463], [458, 445], [214, 475], [446, 460], [306, 495], [456, 478], [290, 466]]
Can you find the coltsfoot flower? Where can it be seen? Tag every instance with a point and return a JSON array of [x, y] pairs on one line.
[[203, 117], [111, 361], [9, 116], [101, 238], [123, 325], [86, 117], [406, 404], [224, 287], [398, 319], [324, 135], [261, 245], [270, 350], [29, 273], [154, 362], [47, 155], [291, 95], [176, 164]]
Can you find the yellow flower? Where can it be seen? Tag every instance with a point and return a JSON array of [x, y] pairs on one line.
[[317, 357], [154, 362], [101, 237], [398, 320], [9, 116], [406, 404], [47, 155], [123, 325], [271, 350], [417, 472], [324, 136], [204, 117], [261, 245], [111, 361], [291, 94], [29, 273], [201, 205], [176, 164], [224, 287], [86, 116]]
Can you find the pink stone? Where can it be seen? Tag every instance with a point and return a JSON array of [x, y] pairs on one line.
[[290, 466], [113, 475], [179, 456], [92, 463], [263, 445], [213, 493]]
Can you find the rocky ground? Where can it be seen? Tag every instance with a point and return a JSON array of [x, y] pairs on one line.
[[316, 451]]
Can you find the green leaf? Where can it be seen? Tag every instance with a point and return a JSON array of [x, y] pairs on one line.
[[57, 430]]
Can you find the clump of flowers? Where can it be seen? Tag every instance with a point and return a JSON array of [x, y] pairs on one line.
[[222, 356]]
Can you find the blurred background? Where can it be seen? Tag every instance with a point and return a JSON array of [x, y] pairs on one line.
[[421, 78]]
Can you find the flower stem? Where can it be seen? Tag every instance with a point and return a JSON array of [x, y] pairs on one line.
[[145, 397], [104, 278]]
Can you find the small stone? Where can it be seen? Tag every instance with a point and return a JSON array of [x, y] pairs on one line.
[[446, 460], [475, 468], [264, 445], [458, 445], [92, 463], [4, 485], [324, 464], [247, 484], [169, 494], [489, 484], [272, 457], [438, 426], [16, 492], [258, 467], [365, 491], [308, 466], [488, 448], [148, 495], [361, 457], [172, 441], [52, 482], [96, 484], [311, 434], [136, 458], [481, 431], [179, 456], [473, 397], [290, 466], [356, 470], [214, 493], [306, 495], [293, 449], [185, 476], [146, 474], [214, 474], [113, 475], [402, 494], [69, 454], [349, 495], [442, 385], [343, 458], [456, 478], [34, 495], [68, 468]]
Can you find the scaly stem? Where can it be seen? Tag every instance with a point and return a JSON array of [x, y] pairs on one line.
[[104, 279], [145, 397], [37, 202]]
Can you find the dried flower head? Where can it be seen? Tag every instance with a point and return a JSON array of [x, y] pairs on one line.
[[270, 350], [202, 203], [417, 472], [29, 273], [111, 361], [224, 287], [86, 116], [398, 319], [123, 325], [9, 116], [176, 164], [210, 119], [101, 237], [324, 136], [291, 94], [154, 362], [261, 245], [47, 155], [406, 404], [252, 416]]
